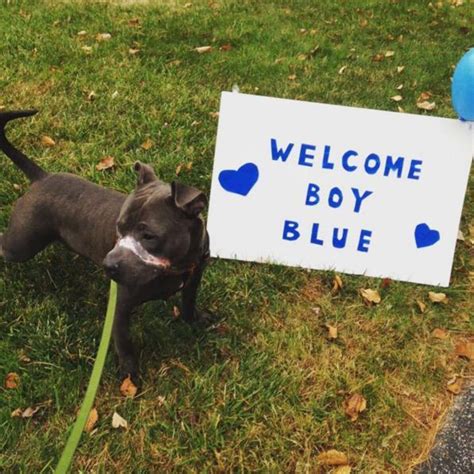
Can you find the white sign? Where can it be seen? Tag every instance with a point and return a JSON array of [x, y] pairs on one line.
[[338, 188]]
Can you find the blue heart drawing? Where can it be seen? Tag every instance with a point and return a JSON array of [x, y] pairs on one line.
[[424, 236], [239, 181]]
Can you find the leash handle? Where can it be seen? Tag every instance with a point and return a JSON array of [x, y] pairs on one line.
[[75, 436]]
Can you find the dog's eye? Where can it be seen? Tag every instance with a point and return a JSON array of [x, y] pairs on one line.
[[148, 236]]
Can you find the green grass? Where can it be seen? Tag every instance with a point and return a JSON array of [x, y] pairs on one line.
[[265, 391]]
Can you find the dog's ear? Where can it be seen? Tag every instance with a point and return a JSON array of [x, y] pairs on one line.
[[189, 199], [145, 173]]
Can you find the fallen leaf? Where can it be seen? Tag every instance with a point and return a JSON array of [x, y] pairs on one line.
[[292, 77], [128, 388], [134, 22], [91, 420], [439, 333], [332, 331], [302, 57], [178, 169], [12, 380], [400, 69], [400, 109], [82, 33], [225, 47], [389, 54], [386, 282], [332, 458], [454, 386], [461, 236], [105, 163], [189, 166], [29, 412], [91, 96], [160, 400], [87, 49], [354, 405], [378, 57], [425, 105], [363, 22], [103, 36], [397, 98], [203, 49], [421, 306], [176, 312], [424, 96], [343, 68], [47, 141], [147, 144], [370, 296], [438, 297], [399, 87], [23, 357], [133, 51], [118, 421], [214, 114], [465, 349], [114, 95], [174, 62], [342, 470], [336, 284], [16, 412]]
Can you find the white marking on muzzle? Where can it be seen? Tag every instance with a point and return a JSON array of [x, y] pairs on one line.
[[137, 249]]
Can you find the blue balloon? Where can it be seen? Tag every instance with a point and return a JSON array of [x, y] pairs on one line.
[[462, 87]]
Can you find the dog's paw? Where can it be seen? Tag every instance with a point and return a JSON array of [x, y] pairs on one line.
[[128, 370]]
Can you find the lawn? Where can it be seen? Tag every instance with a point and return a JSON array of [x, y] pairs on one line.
[[265, 390]]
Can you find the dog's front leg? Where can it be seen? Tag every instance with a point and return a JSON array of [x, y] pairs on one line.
[[189, 294], [128, 365]]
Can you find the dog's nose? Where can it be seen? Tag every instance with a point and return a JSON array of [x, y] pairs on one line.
[[111, 266]]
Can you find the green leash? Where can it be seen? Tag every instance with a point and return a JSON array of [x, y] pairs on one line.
[[86, 407]]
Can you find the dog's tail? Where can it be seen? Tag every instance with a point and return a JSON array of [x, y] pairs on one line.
[[32, 170]]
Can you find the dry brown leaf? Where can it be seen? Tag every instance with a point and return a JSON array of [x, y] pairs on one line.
[[370, 296], [425, 105], [421, 306], [336, 284], [378, 57], [439, 333], [16, 412], [363, 22], [12, 380], [465, 349], [29, 412], [105, 163], [438, 297], [91, 420], [332, 331], [424, 96], [128, 388], [133, 51], [176, 312], [400, 69], [332, 458], [454, 386], [396, 98], [203, 49], [400, 109], [178, 169], [103, 36], [399, 87], [342, 69], [342, 470], [147, 144], [87, 49], [118, 421], [47, 141], [292, 77], [189, 166], [214, 114], [82, 33], [354, 405], [134, 22], [461, 236], [91, 96], [389, 54], [225, 47]]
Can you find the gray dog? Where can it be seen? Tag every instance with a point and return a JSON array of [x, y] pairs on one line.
[[152, 242]]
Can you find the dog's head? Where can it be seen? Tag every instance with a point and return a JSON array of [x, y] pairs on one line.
[[159, 230]]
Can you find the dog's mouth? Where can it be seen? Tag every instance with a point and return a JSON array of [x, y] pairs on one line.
[[131, 244]]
